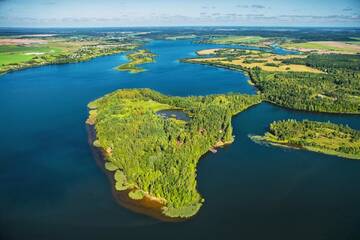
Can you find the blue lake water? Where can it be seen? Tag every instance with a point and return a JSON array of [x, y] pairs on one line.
[[52, 188], [173, 113]]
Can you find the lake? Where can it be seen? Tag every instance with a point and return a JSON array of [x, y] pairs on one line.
[[52, 188], [172, 113]]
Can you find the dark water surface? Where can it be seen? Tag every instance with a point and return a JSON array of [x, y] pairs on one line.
[[51, 187], [172, 113]]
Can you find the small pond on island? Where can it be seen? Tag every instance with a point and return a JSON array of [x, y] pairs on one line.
[[172, 113]]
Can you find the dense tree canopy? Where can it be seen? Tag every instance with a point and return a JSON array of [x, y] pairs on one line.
[[335, 88], [158, 155], [322, 137]]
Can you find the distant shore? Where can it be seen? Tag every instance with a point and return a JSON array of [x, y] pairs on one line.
[[259, 139]]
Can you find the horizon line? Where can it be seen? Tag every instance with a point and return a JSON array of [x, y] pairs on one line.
[[181, 26]]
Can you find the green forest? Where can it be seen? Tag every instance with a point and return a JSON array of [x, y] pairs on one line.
[[335, 90], [155, 155], [324, 137], [137, 58]]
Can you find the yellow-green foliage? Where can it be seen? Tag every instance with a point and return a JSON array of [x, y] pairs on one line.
[[136, 194], [333, 87], [251, 59], [159, 155], [137, 58], [321, 137], [121, 182]]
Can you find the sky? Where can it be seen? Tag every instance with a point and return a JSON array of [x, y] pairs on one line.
[[123, 13]]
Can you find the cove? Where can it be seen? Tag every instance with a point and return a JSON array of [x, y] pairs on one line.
[[52, 188]]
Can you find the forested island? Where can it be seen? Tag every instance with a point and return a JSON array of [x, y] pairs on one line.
[[137, 58], [324, 137], [315, 82], [155, 157]]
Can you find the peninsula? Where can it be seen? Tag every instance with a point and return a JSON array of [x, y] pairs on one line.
[[20, 52], [155, 157], [323, 137]]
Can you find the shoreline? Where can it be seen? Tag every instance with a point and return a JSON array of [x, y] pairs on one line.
[[251, 82], [135, 64], [25, 67], [260, 139], [148, 205]]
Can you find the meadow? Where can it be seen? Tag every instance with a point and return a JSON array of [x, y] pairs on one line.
[[350, 47], [250, 59], [257, 41], [314, 82]]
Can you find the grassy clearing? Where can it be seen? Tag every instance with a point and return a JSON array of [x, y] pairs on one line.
[[325, 47], [237, 40], [252, 59], [14, 54], [207, 51], [181, 37], [354, 43], [315, 82]]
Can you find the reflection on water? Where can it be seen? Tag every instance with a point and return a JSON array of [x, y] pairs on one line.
[[171, 113]]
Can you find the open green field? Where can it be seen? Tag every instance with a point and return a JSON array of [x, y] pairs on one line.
[[237, 40], [181, 37], [250, 59], [354, 42], [325, 46], [20, 53], [13, 54]]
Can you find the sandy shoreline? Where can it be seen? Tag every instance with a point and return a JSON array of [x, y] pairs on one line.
[[149, 205]]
